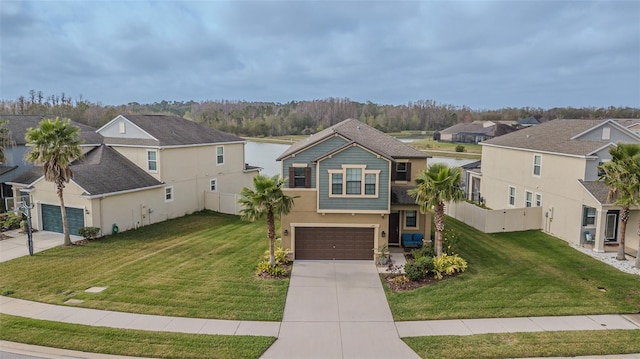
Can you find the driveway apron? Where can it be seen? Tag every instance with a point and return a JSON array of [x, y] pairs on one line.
[[337, 309]]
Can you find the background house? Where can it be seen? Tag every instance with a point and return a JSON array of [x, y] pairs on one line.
[[554, 166], [476, 131], [149, 168], [352, 183]]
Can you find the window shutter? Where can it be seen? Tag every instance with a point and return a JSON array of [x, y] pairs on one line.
[[307, 177], [408, 171], [393, 171], [292, 178]]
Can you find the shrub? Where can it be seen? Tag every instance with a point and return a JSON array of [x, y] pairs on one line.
[[89, 232], [281, 255], [448, 265], [418, 269], [460, 148], [11, 221], [450, 239], [274, 271], [424, 251], [400, 280]]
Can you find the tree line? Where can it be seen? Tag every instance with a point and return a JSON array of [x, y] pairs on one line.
[[251, 118]]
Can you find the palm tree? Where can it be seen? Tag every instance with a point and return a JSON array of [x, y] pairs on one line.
[[267, 200], [622, 176], [436, 185], [54, 145]]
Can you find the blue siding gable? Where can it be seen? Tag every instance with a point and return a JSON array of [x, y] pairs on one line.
[[353, 155], [308, 155]]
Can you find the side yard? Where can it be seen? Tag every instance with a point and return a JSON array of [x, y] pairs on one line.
[[196, 266], [520, 274]]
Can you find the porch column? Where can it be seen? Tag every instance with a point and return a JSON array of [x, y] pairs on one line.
[[600, 223]]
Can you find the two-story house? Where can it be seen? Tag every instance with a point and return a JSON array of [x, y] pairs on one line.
[[554, 165], [351, 181], [149, 168], [15, 163]]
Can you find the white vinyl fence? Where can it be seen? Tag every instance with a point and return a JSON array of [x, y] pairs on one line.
[[496, 220]]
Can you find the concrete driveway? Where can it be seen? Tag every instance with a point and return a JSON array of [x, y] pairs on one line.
[[337, 309], [16, 245]]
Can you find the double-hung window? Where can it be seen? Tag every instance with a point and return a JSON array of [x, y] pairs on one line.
[[402, 171], [537, 165], [588, 216], [213, 185], [219, 155], [528, 199], [512, 196], [411, 219], [168, 194], [152, 160], [354, 181], [538, 200]]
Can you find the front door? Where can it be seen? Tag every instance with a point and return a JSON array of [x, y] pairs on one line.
[[394, 229], [611, 226]]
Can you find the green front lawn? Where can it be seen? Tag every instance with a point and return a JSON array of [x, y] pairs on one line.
[[130, 342], [197, 266], [521, 345], [520, 274]]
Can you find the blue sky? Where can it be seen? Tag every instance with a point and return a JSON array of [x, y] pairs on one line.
[[482, 54]]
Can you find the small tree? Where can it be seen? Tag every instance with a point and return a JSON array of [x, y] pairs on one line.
[[266, 201], [622, 176], [438, 184], [54, 145]]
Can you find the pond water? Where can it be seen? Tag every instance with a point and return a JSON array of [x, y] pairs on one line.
[[264, 155]]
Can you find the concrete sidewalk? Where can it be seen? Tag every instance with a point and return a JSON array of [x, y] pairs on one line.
[[16, 245]]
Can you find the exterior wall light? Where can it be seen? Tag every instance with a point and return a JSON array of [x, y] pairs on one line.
[[286, 232]]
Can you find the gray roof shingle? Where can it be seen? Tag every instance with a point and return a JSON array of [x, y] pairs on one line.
[[176, 131], [399, 195], [598, 190], [18, 125], [103, 170], [552, 136], [362, 134]]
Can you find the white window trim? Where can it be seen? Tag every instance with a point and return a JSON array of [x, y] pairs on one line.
[[170, 188], [528, 198], [538, 200], [211, 184], [219, 163], [156, 161], [533, 170], [511, 190], [363, 174]]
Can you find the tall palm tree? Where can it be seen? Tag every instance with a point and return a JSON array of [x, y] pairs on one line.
[[54, 145], [267, 200], [622, 176], [438, 184]]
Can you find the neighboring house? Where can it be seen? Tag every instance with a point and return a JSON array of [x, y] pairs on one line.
[[471, 181], [528, 122], [554, 166], [475, 132], [352, 183], [150, 168], [15, 163]]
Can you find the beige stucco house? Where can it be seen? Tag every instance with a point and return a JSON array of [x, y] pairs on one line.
[[149, 168], [554, 166], [351, 181]]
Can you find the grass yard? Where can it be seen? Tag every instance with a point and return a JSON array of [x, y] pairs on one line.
[[521, 345], [520, 274], [200, 265], [130, 342]]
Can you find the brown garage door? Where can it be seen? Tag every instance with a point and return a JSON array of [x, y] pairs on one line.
[[334, 243]]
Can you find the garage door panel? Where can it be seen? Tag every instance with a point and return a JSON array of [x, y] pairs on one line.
[[52, 219], [334, 243]]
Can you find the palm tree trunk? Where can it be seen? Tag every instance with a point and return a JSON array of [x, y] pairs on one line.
[[638, 254], [271, 233], [439, 223], [624, 217], [63, 212]]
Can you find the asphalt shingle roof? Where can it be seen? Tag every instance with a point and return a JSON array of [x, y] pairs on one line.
[[362, 134], [400, 196], [175, 131], [552, 136], [598, 190], [472, 127], [103, 170], [18, 125]]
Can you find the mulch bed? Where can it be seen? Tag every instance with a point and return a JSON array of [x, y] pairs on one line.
[[411, 285]]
